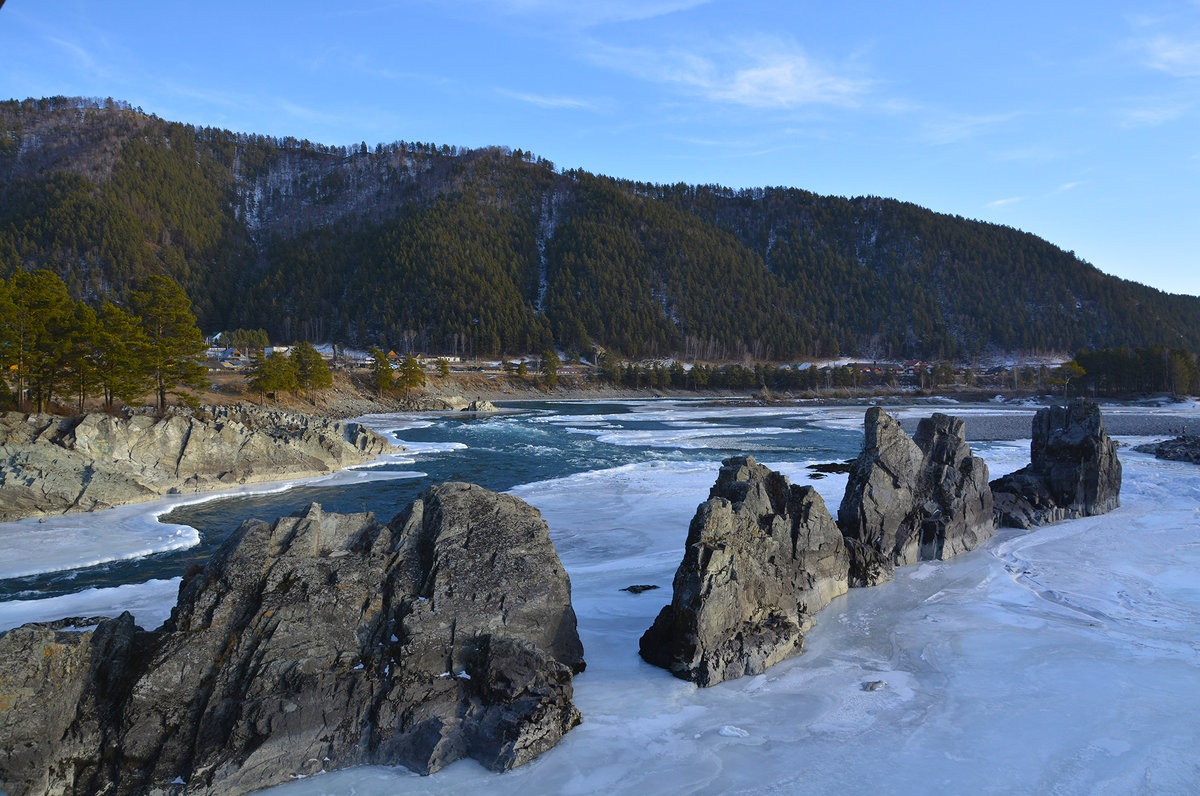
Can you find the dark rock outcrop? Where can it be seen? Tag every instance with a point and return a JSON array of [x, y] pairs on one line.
[[762, 556], [50, 465], [1074, 470], [317, 642], [1184, 448], [908, 499]]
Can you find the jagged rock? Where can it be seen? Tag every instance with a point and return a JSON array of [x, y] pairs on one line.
[[762, 556], [1180, 449], [869, 566], [908, 499], [313, 643], [480, 405], [50, 465], [58, 688], [1074, 470]]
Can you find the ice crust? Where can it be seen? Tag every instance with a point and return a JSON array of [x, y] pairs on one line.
[[71, 541], [1062, 660]]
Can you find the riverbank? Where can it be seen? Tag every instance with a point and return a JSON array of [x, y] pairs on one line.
[[56, 465], [351, 395]]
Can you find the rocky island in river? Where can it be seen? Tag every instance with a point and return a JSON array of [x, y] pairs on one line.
[[763, 556]]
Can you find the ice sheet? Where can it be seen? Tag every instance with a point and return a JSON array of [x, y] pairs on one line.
[[1059, 661], [71, 541], [1062, 660], [149, 602]]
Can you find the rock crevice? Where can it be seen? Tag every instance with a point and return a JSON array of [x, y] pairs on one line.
[[762, 556], [913, 498], [313, 643]]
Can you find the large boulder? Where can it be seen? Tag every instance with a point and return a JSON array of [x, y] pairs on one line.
[[51, 465], [313, 643], [1074, 471], [908, 499], [762, 556]]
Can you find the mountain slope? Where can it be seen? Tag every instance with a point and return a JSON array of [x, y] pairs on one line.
[[426, 247]]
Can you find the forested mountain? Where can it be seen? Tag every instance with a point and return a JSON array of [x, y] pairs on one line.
[[416, 246]]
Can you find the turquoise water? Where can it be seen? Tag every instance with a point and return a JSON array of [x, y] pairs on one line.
[[527, 443]]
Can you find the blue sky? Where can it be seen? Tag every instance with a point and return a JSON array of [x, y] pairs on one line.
[[1076, 121]]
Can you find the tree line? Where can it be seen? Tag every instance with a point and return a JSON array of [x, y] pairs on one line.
[[52, 346], [437, 249], [1149, 369], [302, 369]]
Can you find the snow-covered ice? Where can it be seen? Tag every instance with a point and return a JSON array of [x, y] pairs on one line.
[[1063, 660], [149, 602]]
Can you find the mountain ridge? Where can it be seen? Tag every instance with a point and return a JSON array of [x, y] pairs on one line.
[[436, 248]]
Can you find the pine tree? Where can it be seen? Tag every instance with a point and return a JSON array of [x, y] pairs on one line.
[[8, 337], [174, 346], [42, 316], [381, 371], [312, 372], [119, 354], [272, 374], [550, 365], [79, 361], [411, 374]]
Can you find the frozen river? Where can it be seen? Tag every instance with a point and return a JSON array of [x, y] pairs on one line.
[[1064, 660]]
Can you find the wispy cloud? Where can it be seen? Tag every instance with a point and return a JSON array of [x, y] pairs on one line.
[[1154, 115], [218, 97], [78, 52], [307, 114], [544, 101], [593, 12], [360, 63], [1032, 153], [1012, 200], [759, 72], [733, 147], [955, 127], [1068, 186], [1175, 55]]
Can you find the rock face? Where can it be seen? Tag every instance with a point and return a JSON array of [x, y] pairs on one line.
[[762, 556], [314, 643], [50, 465], [1074, 470], [1181, 449], [480, 405], [908, 499]]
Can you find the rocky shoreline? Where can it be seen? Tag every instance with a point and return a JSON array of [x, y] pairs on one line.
[[54, 465], [313, 643]]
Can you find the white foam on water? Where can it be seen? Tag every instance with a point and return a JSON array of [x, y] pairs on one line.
[[391, 426], [685, 437]]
